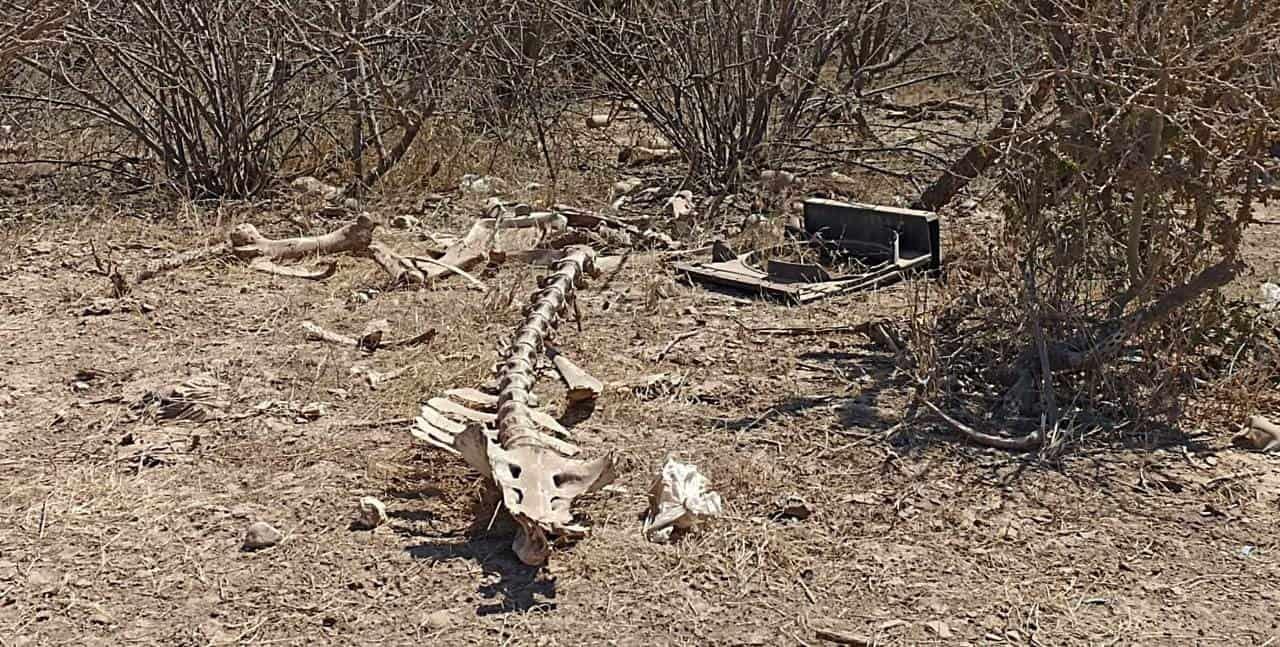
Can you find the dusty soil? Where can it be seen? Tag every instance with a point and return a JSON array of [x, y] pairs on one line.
[[117, 528]]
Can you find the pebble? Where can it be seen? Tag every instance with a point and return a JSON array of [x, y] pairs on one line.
[[441, 619], [370, 513], [261, 535]]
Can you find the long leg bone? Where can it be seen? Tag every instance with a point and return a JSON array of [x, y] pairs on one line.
[[534, 471]]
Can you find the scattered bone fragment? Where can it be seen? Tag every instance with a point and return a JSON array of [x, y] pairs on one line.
[[371, 339], [474, 398], [402, 269], [777, 181], [259, 535], [196, 399], [643, 155], [599, 121], [316, 333], [582, 386], [681, 497], [264, 254], [482, 184], [1262, 435], [405, 222], [378, 379], [680, 205], [626, 186], [370, 513]]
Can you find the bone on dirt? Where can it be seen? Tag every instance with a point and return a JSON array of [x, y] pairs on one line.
[[582, 386], [534, 472], [370, 339], [247, 244], [1262, 435]]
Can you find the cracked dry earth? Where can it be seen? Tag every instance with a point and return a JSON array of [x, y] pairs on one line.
[[120, 529]]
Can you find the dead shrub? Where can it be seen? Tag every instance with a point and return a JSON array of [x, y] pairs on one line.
[[26, 24], [741, 85], [219, 99], [1127, 187]]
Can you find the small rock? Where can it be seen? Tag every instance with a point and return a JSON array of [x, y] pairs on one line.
[[969, 205], [370, 513], [794, 508], [939, 627], [442, 619], [259, 535], [98, 308], [42, 580], [481, 185], [312, 411], [405, 222], [598, 121], [627, 186], [777, 181]]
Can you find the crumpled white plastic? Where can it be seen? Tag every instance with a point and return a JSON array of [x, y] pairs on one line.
[[1270, 296], [681, 498]]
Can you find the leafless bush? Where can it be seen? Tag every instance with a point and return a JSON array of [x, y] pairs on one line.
[[1128, 182], [25, 24], [741, 84], [224, 96]]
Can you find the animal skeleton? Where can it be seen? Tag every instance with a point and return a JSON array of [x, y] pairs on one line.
[[536, 473]]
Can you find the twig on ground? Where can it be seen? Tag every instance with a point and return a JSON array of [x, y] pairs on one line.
[[672, 344], [1019, 444]]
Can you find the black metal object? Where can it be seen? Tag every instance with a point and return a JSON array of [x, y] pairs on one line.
[[888, 241]]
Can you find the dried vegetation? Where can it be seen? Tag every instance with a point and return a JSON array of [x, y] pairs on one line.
[[216, 428]]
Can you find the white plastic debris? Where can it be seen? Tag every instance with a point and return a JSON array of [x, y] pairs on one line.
[[680, 498], [1270, 296], [481, 184]]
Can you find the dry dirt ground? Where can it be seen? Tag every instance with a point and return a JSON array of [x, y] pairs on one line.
[[118, 529]]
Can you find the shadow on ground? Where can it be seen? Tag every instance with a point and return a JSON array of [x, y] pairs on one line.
[[517, 587]]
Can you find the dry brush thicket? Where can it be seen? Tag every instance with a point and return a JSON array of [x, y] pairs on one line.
[[1128, 154], [1133, 169]]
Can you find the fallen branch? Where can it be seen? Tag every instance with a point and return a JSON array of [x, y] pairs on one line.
[[984, 154], [1020, 444], [672, 344]]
